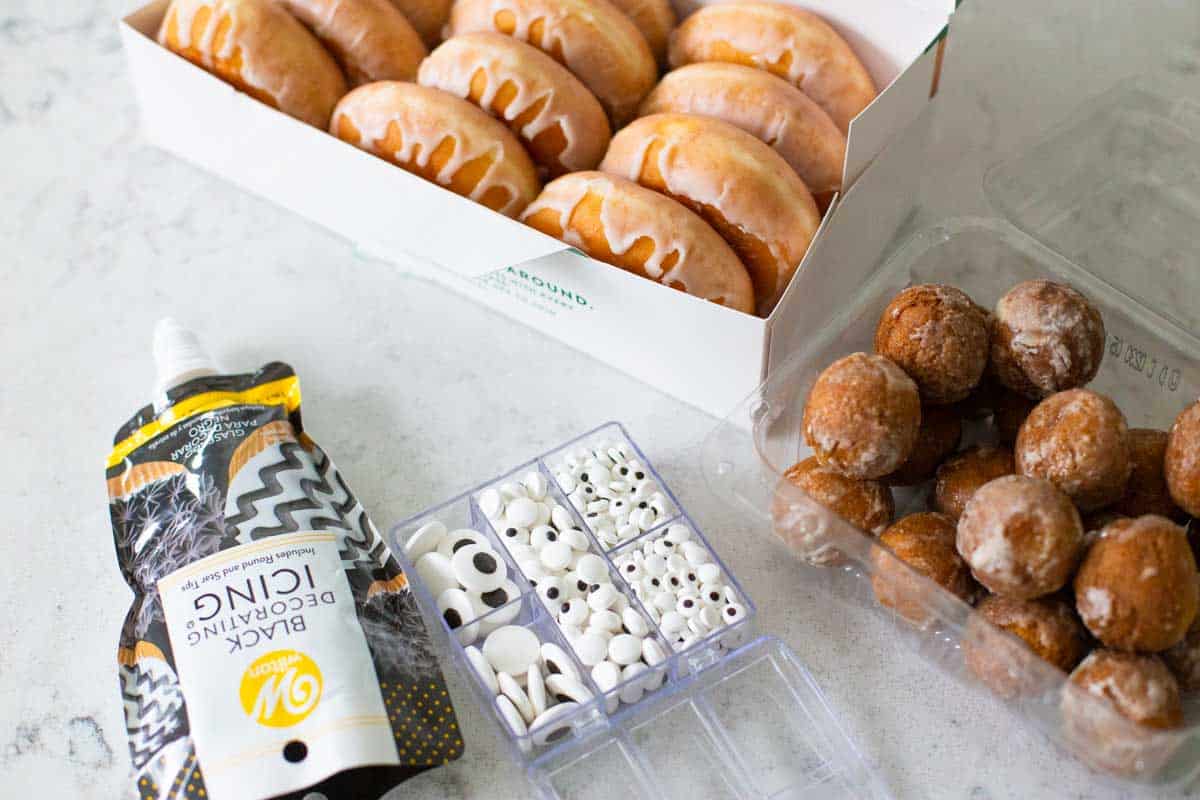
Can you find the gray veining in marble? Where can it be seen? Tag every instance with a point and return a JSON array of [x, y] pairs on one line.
[[416, 392]]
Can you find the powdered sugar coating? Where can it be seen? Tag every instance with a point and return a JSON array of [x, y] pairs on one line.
[[1137, 588], [1077, 440], [1021, 537], [1113, 707], [1140, 687], [862, 416], [939, 337], [925, 542], [867, 505], [1182, 460], [1047, 626], [1046, 338]]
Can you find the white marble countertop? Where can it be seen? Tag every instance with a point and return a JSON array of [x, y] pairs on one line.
[[416, 392]]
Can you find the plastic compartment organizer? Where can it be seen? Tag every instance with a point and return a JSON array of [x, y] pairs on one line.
[[1151, 369], [707, 710]]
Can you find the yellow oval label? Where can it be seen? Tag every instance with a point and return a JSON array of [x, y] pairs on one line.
[[280, 688]]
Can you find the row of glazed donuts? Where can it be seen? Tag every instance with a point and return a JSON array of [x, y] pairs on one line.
[[716, 188]]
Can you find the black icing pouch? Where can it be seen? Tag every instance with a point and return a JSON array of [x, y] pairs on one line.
[[273, 648]]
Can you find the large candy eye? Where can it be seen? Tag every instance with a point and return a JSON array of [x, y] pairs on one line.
[[554, 724], [513, 691], [425, 540], [478, 568], [556, 661], [454, 541], [734, 612], [512, 717], [482, 668], [455, 607], [436, 573], [501, 598], [511, 649]]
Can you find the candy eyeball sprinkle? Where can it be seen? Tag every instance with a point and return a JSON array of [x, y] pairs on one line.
[[542, 535], [734, 612], [551, 590]]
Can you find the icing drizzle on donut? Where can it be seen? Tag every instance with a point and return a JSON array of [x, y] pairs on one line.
[[684, 253], [453, 68], [409, 123]]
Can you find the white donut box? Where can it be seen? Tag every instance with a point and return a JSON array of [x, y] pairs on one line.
[[706, 355]]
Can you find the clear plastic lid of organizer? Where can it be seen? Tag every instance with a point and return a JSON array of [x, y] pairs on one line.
[[729, 715], [1116, 189]]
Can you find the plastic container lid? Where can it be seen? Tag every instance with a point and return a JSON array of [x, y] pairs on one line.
[[1116, 189]]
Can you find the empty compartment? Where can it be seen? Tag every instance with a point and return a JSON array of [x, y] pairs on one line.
[[683, 757], [602, 769], [782, 748]]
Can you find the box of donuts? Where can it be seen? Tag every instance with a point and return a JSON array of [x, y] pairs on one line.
[[1000, 452], [605, 637], [519, 150]]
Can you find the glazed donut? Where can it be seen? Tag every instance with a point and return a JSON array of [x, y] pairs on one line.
[[654, 19], [738, 185], [795, 45], [261, 50], [643, 232], [442, 138], [428, 17], [371, 39], [554, 115], [768, 107], [592, 38]]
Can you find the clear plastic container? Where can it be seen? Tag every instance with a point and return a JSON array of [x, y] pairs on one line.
[[1151, 369], [729, 716], [1115, 189]]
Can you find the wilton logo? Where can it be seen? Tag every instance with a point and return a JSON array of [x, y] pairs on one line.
[[280, 688]]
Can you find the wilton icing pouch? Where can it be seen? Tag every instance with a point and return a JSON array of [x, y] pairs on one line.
[[273, 648]]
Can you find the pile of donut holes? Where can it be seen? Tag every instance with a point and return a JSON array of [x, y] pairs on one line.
[[1066, 529], [699, 153]]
